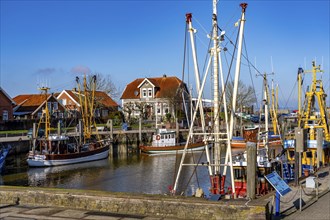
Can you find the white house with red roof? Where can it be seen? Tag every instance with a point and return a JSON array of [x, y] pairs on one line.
[[154, 97]]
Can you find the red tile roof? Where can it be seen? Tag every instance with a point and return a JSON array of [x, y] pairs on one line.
[[100, 97], [164, 85], [30, 100]]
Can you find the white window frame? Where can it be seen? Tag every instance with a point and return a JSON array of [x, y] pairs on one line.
[[55, 105], [165, 108], [150, 92], [5, 115], [144, 93], [49, 105]]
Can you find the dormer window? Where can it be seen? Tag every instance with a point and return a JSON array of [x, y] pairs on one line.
[[150, 92], [144, 93]]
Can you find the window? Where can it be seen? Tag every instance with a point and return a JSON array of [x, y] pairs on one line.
[[158, 109], [105, 113], [5, 115], [165, 109], [144, 93], [55, 105], [63, 101], [49, 105], [150, 92]]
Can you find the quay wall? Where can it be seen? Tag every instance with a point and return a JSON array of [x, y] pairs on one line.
[[122, 141], [137, 204]]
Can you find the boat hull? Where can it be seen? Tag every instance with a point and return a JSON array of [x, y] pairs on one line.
[[242, 144], [172, 149], [64, 159]]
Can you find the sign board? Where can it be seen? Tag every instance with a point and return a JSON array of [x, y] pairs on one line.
[[278, 183]]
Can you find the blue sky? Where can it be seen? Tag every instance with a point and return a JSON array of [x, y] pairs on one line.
[[54, 41]]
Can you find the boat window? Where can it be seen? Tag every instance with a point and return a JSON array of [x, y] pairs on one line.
[[162, 136], [172, 135]]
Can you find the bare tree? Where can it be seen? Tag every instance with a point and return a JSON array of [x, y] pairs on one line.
[[174, 99], [105, 84], [245, 94]]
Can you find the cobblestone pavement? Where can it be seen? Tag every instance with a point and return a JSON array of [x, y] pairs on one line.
[[18, 212]]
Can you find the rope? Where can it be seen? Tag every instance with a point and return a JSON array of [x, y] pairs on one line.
[[185, 188], [291, 199], [254, 91], [307, 194], [286, 104]]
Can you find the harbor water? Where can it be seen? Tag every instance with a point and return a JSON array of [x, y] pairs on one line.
[[134, 173]]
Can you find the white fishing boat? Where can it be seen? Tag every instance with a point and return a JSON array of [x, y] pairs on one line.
[[57, 149], [165, 142]]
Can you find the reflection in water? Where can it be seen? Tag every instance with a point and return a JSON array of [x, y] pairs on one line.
[[122, 173]]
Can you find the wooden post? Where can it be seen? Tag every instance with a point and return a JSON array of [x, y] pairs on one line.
[[34, 137], [251, 169], [177, 131], [296, 167], [319, 144], [140, 129], [80, 131], [111, 136]]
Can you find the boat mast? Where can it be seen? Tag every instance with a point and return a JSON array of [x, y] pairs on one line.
[[198, 83], [266, 111], [300, 72], [45, 118], [316, 91], [235, 90], [86, 102], [215, 51]]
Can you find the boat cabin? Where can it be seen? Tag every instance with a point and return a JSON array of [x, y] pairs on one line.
[[164, 138]]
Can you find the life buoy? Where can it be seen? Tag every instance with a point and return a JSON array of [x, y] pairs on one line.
[[158, 137]]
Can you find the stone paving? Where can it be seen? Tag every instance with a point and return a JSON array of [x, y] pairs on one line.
[[18, 212], [313, 208]]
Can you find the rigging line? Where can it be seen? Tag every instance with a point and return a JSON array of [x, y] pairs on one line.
[[282, 96], [207, 55], [255, 68], [201, 41], [195, 19], [254, 91], [195, 168], [226, 81], [238, 11], [286, 104]]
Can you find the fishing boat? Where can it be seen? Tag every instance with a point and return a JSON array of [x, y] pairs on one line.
[[314, 123], [216, 164], [3, 154], [251, 134], [164, 142], [59, 149]]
